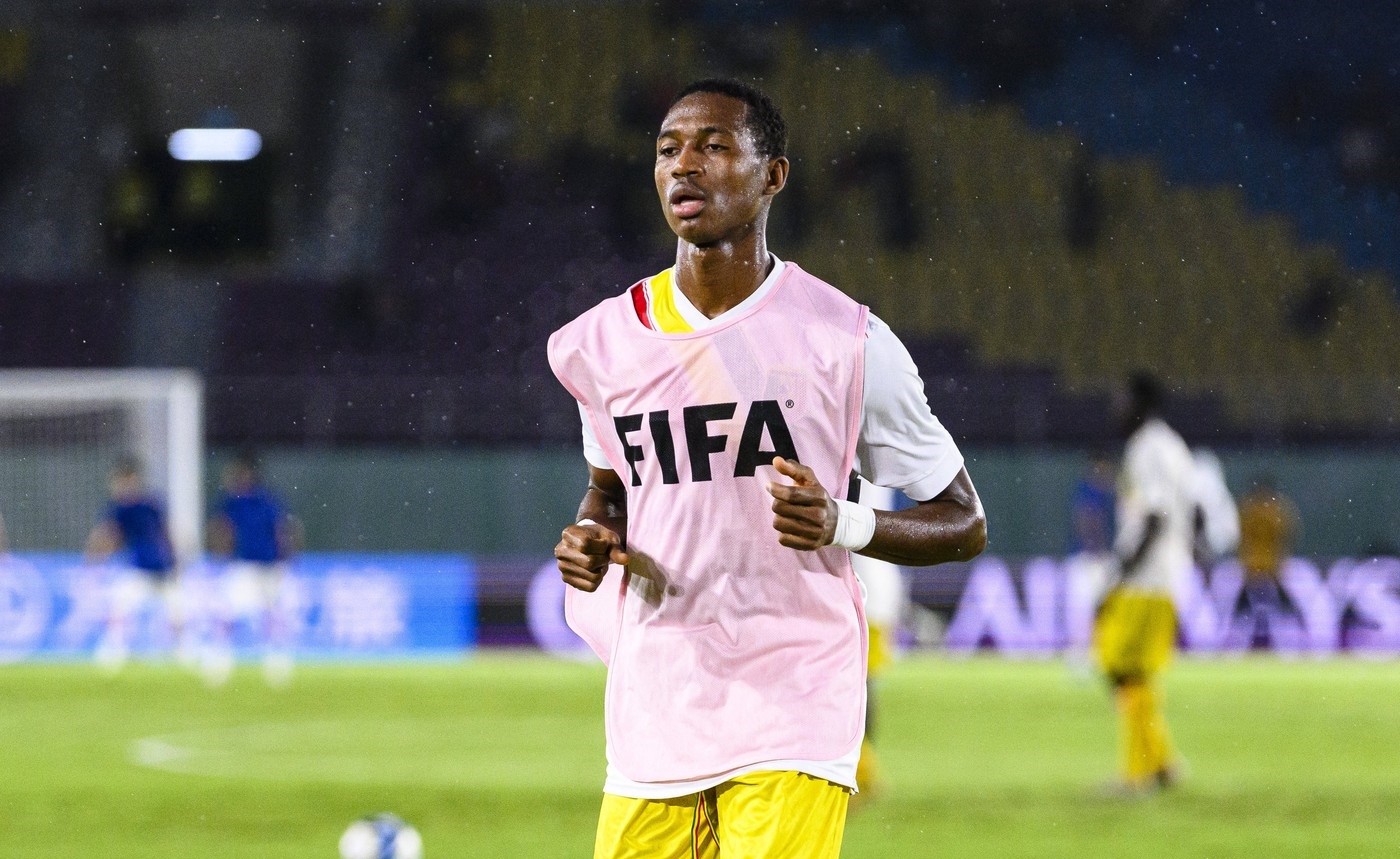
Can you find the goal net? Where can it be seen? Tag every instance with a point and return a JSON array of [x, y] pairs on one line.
[[62, 431]]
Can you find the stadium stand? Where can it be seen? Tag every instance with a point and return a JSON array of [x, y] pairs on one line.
[[1029, 251], [1185, 275], [1288, 150]]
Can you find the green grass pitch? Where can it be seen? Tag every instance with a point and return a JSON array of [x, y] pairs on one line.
[[501, 755]]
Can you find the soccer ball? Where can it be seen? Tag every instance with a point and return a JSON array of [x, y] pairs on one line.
[[381, 836]]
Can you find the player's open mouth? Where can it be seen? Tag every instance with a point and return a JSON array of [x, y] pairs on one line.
[[686, 202]]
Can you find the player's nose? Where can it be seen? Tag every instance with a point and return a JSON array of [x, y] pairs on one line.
[[688, 162]]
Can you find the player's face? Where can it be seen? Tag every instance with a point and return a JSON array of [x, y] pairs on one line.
[[713, 181], [237, 477], [124, 486]]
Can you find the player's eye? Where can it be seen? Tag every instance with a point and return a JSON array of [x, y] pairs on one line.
[[667, 151]]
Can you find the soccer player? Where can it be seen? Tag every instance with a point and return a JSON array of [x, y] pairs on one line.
[[1268, 523], [135, 525], [1136, 630], [257, 534], [725, 403]]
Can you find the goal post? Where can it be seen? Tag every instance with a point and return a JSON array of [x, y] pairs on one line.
[[61, 431]]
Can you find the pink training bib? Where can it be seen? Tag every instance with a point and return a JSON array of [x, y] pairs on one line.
[[724, 648]]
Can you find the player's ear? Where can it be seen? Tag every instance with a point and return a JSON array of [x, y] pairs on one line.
[[777, 175]]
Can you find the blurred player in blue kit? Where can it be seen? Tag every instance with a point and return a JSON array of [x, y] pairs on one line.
[[133, 529], [258, 536]]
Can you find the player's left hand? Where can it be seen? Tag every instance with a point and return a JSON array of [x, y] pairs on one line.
[[804, 515]]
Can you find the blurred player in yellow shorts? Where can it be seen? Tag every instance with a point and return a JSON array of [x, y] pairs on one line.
[[775, 815], [1135, 632], [1134, 640]]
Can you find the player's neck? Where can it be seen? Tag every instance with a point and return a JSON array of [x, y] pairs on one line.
[[716, 278]]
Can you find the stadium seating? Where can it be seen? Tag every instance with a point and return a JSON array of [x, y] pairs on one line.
[[1186, 279], [1028, 266]]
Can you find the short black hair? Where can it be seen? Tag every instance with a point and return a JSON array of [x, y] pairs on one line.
[[248, 458], [762, 116], [1146, 392]]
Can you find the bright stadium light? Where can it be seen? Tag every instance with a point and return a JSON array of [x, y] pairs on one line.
[[214, 144]]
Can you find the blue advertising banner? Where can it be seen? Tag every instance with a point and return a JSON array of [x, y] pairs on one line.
[[360, 606], [322, 605]]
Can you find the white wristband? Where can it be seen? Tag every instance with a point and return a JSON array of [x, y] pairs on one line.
[[585, 522], [855, 525]]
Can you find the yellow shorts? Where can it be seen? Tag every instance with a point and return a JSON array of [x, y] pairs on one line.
[[1135, 634], [759, 815]]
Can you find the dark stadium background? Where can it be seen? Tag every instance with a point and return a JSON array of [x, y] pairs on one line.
[[1039, 196]]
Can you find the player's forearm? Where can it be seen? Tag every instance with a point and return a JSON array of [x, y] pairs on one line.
[[1151, 529], [950, 527], [101, 544], [935, 532], [606, 510], [220, 537]]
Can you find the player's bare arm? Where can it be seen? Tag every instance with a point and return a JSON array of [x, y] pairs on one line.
[[291, 535], [949, 527], [1151, 529], [585, 550], [220, 535], [102, 542]]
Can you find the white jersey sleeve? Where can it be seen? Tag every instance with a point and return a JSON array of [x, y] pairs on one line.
[[1217, 505], [592, 450], [901, 444]]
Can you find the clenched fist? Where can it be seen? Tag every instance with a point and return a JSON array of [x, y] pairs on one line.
[[584, 552]]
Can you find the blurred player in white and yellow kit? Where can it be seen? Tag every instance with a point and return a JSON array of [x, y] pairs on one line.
[[1136, 630]]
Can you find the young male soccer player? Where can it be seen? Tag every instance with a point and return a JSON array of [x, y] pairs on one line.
[[1268, 524], [134, 522], [725, 403], [1136, 630], [257, 534]]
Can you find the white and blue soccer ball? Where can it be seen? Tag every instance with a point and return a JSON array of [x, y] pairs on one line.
[[381, 836]]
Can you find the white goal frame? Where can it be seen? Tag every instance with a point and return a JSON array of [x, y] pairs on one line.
[[165, 410]]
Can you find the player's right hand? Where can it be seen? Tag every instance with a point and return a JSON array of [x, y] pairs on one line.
[[584, 553]]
